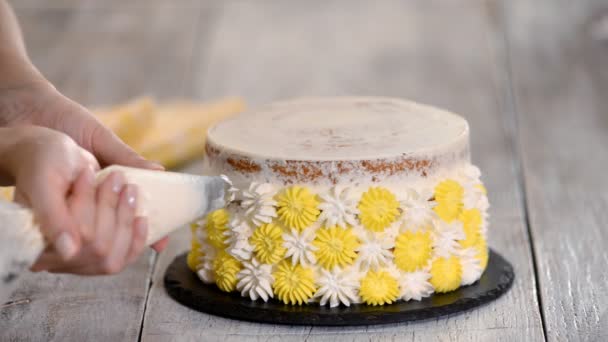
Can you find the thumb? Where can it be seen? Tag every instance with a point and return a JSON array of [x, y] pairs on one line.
[[109, 149]]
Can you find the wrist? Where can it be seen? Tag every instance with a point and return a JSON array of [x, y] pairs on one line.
[[16, 70], [24, 101]]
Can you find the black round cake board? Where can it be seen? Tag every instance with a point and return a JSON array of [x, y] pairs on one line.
[[184, 286]]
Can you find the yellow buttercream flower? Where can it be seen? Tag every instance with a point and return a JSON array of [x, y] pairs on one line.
[[471, 224], [448, 195], [379, 288], [446, 274], [413, 250], [194, 256], [482, 252], [267, 241], [217, 224], [297, 207], [335, 247], [225, 269], [293, 284], [378, 208]]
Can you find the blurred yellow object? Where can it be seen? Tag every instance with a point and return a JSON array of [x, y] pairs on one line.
[[179, 133], [129, 121], [171, 133], [6, 193]]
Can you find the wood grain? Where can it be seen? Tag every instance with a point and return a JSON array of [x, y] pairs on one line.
[[559, 54], [99, 56], [104, 56], [450, 54], [94, 4]]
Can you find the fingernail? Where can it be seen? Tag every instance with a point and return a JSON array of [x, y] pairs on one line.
[[65, 245], [152, 165], [156, 166], [118, 182], [132, 195]]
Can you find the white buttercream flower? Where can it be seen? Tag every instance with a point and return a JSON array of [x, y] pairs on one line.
[[474, 195], [299, 246], [238, 229], [393, 230], [415, 285], [259, 204], [375, 249], [471, 269], [231, 193], [238, 233], [470, 173], [338, 208], [240, 249], [201, 231], [417, 209], [338, 286], [485, 222], [393, 270], [445, 241], [255, 280], [201, 237], [196, 228], [205, 272]]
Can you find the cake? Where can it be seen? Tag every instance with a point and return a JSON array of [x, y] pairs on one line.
[[341, 201]]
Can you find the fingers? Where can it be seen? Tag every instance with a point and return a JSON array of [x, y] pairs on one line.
[[118, 236], [90, 160], [140, 232], [82, 203], [117, 258], [111, 150], [107, 198], [46, 261], [54, 216]]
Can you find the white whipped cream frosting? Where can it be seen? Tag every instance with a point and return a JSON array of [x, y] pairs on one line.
[[299, 246], [258, 203], [338, 287], [255, 280], [415, 285], [338, 207], [375, 250]]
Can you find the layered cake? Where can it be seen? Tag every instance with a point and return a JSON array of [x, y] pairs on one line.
[[340, 201]]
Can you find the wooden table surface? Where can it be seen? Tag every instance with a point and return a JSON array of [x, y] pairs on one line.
[[530, 76]]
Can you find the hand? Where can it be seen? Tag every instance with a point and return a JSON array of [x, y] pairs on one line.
[[91, 229], [37, 102], [112, 236]]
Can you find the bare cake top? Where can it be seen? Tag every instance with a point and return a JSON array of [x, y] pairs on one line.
[[308, 140], [340, 129]]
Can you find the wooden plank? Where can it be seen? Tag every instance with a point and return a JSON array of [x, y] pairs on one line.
[[558, 52], [94, 4], [99, 56], [441, 52], [110, 55]]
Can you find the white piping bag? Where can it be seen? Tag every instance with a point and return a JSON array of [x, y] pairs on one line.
[[169, 200]]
